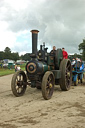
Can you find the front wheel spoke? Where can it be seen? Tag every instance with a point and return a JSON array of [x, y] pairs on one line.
[[22, 78], [19, 77], [19, 90]]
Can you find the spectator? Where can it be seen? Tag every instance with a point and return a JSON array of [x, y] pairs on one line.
[[65, 54], [15, 68], [18, 68], [73, 62], [54, 49], [81, 64]]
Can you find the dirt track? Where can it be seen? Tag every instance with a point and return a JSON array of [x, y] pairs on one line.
[[63, 110]]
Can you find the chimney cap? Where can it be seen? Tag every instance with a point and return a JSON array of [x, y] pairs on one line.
[[34, 31]]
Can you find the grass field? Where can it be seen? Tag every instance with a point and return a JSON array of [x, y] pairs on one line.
[[6, 71]]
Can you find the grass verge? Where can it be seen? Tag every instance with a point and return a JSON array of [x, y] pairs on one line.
[[6, 71]]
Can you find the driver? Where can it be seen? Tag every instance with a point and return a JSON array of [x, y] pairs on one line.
[[54, 49]]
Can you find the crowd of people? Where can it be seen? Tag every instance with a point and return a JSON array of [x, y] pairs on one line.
[[77, 64]]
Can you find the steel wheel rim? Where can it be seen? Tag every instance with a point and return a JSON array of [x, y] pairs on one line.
[[19, 86], [50, 85]]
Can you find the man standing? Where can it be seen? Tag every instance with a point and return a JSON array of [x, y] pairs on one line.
[[65, 54], [54, 49]]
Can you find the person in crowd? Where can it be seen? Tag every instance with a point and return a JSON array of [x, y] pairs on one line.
[[54, 49], [65, 54], [73, 62], [81, 64], [18, 68], [15, 68]]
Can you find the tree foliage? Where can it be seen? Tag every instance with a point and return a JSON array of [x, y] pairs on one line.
[[7, 54], [7, 50], [15, 56], [1, 55], [82, 48], [74, 56], [25, 57]]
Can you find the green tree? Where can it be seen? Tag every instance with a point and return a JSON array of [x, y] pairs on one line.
[[82, 47], [75, 56], [7, 53], [7, 50], [25, 57], [15, 56], [1, 55]]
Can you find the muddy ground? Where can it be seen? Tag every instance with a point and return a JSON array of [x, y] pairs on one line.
[[63, 110]]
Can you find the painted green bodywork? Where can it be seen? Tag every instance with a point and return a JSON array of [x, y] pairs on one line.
[[59, 57], [50, 60], [47, 68], [57, 74]]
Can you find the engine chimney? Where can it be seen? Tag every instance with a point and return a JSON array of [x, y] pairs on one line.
[[34, 42]]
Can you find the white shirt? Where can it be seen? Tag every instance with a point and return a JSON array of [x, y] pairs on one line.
[[18, 68]]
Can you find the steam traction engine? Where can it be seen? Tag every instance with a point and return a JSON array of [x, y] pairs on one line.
[[43, 71]]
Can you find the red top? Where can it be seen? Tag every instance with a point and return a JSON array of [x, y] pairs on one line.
[[65, 55]]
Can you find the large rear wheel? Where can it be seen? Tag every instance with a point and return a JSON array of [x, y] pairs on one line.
[[66, 74], [18, 83], [48, 82]]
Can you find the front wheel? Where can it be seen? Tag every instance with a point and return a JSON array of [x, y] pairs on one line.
[[48, 82], [18, 83]]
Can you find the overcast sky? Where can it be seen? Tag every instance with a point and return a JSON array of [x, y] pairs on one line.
[[60, 22]]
